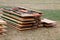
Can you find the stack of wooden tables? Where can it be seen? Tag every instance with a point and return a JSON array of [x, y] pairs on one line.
[[2, 27], [21, 19], [48, 22]]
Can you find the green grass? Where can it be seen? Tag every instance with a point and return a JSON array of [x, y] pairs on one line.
[[52, 14]]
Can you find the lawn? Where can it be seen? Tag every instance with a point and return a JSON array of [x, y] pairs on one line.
[[52, 14]]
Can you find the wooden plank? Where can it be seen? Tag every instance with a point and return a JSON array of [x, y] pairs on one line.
[[2, 22], [48, 23], [21, 29]]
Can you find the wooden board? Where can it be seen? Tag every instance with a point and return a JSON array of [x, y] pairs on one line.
[[21, 29]]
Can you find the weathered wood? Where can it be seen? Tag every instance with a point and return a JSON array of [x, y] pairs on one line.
[[22, 19], [48, 23], [2, 26], [2, 22], [21, 29]]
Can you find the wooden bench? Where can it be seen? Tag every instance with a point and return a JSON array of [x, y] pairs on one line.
[[48, 23]]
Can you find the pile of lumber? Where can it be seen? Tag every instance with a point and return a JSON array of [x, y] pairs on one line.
[[48, 23], [2, 27], [21, 18]]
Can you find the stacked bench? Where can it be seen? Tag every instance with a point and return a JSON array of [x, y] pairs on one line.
[[48, 22], [2, 27], [22, 19]]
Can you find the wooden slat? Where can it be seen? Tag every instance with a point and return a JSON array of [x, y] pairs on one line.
[[19, 18]]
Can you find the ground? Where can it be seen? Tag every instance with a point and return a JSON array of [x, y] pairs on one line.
[[52, 12]]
